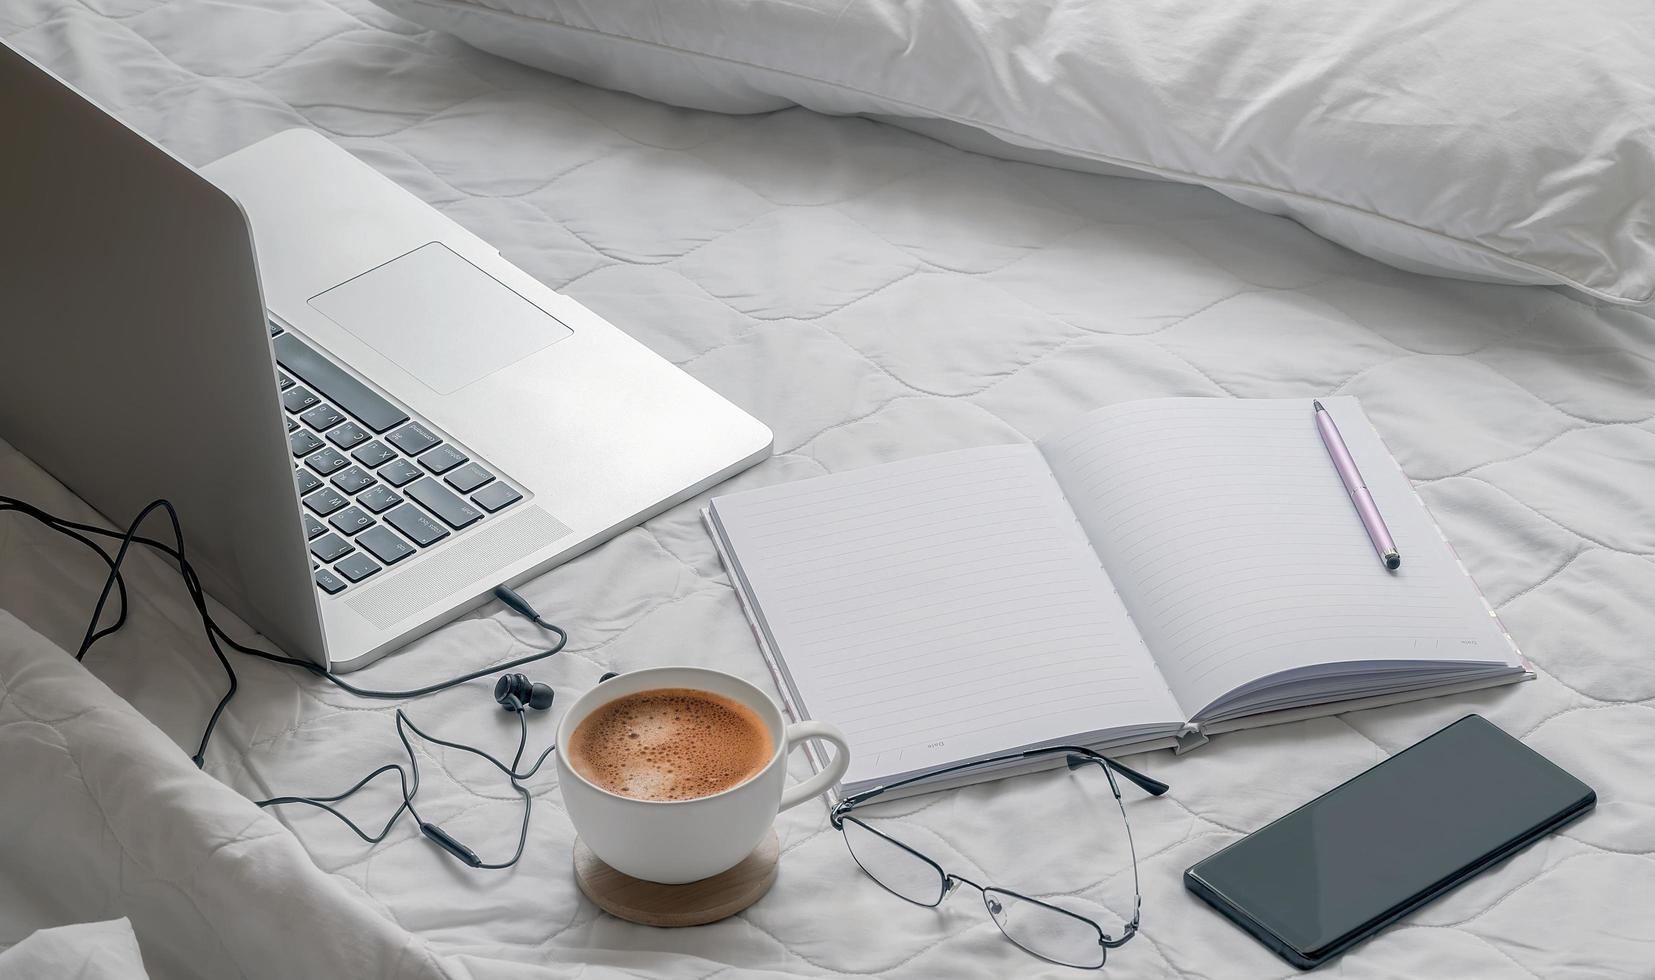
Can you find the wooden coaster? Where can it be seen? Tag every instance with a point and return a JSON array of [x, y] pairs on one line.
[[694, 904]]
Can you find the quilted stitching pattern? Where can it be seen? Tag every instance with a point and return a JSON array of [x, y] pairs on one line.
[[872, 294]]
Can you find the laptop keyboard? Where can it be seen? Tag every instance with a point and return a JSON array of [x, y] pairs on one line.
[[377, 486]]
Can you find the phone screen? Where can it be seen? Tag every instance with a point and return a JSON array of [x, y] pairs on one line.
[[1401, 832]]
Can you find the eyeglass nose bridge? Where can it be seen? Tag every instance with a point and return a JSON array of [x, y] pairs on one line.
[[953, 882], [989, 901]]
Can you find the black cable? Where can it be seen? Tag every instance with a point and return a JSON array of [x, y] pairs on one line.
[[191, 583], [408, 779], [120, 581], [115, 568], [463, 853], [508, 770], [321, 802], [505, 594], [215, 632]]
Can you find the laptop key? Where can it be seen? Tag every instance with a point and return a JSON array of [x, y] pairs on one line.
[[274, 329], [442, 459], [348, 435], [468, 477], [298, 399], [305, 480], [303, 443], [326, 461], [378, 499], [372, 454], [313, 527], [283, 382], [351, 520], [413, 439], [400, 473], [357, 567], [330, 583], [322, 418], [325, 501], [410, 520], [291, 425], [454, 512], [384, 544], [493, 498], [353, 480], [329, 546], [357, 399]]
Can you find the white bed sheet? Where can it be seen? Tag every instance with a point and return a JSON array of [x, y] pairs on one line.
[[870, 294]]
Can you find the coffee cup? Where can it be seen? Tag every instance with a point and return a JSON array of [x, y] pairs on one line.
[[678, 840]]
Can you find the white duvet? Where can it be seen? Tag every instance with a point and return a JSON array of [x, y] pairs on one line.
[[870, 294]]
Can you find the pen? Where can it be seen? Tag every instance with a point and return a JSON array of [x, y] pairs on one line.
[[1366, 509]]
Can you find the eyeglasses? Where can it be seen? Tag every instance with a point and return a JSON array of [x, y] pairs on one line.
[[1051, 933]]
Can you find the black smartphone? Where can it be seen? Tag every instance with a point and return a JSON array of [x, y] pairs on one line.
[[1369, 851]]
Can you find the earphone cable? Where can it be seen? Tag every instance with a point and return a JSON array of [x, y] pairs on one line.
[[214, 632], [191, 584], [511, 770], [407, 778], [322, 802]]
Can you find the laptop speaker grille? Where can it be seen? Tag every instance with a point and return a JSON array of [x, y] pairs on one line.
[[496, 544]]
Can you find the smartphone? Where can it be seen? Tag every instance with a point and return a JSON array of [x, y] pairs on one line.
[[1362, 855]]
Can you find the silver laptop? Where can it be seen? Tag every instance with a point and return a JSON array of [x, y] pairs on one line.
[[366, 417]]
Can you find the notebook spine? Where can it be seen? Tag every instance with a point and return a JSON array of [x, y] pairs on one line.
[[1137, 631], [783, 688]]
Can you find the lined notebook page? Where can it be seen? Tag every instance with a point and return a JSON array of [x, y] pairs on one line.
[[940, 609], [1230, 536]]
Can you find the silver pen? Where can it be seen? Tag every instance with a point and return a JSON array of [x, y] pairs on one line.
[[1366, 509]]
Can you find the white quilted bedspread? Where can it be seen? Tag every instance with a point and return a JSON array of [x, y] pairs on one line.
[[870, 294]]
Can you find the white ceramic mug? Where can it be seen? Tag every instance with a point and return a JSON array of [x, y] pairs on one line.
[[678, 841]]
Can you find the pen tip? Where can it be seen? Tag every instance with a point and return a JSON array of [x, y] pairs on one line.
[[1393, 561], [1318, 405]]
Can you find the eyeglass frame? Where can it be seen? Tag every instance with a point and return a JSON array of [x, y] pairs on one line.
[[1077, 756]]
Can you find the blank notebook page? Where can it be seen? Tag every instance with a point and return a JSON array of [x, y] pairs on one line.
[[1234, 543], [941, 609]]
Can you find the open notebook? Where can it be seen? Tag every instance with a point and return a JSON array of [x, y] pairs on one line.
[[1152, 573]]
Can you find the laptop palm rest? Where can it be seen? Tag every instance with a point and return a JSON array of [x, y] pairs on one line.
[[440, 318]]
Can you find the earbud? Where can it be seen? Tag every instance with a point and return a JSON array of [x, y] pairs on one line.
[[515, 691]]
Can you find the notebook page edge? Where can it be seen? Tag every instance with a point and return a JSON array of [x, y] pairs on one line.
[[1326, 708]]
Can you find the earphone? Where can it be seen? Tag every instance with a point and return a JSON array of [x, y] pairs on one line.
[[513, 691]]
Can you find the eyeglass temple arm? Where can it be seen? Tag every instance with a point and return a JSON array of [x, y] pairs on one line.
[[1149, 784], [1078, 756]]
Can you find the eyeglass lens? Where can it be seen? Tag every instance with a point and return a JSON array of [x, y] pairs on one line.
[[1044, 930], [903, 872]]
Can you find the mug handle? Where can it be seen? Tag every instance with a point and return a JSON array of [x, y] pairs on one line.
[[823, 781]]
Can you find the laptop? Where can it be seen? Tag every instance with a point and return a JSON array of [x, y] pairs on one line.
[[365, 416]]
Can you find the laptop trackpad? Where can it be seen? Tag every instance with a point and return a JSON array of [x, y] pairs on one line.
[[440, 318]]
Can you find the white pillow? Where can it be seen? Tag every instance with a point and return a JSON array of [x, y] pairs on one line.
[[87, 951], [1486, 139]]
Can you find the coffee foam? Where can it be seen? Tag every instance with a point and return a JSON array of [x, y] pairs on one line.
[[670, 744]]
